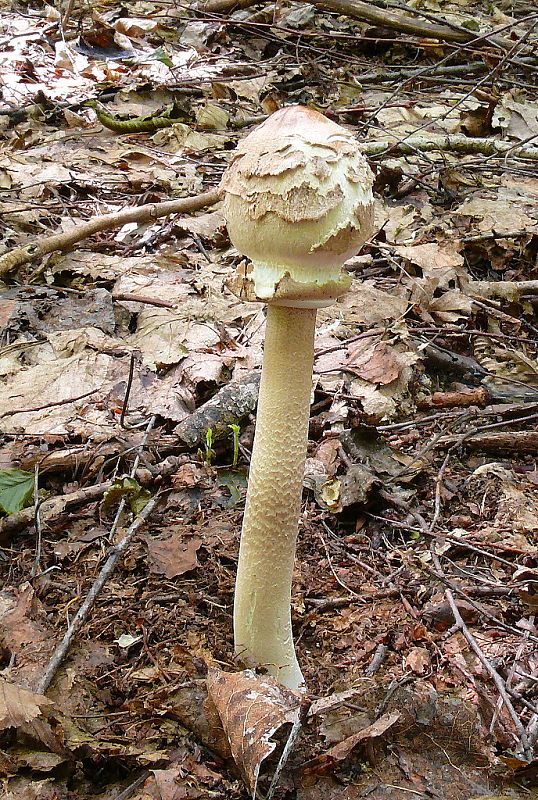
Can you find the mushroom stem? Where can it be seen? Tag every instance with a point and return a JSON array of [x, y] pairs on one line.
[[262, 616]]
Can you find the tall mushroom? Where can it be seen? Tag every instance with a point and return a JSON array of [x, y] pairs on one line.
[[298, 203]]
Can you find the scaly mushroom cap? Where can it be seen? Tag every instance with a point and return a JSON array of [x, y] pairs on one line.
[[298, 203]]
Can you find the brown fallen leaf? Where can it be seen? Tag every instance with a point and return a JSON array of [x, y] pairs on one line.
[[341, 750], [251, 709], [434, 261], [19, 706], [374, 363], [418, 660], [172, 555]]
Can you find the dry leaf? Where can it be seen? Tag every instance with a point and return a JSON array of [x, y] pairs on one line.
[[378, 728], [442, 265], [418, 660], [374, 363], [251, 709], [172, 555], [365, 304], [19, 706]]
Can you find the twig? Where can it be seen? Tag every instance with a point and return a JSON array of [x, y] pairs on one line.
[[63, 241], [350, 556], [48, 405], [135, 298], [450, 142], [110, 564], [532, 729], [79, 618], [438, 487], [499, 683], [127, 391], [376, 661], [133, 786], [37, 521], [453, 539], [292, 738], [337, 579], [482, 611]]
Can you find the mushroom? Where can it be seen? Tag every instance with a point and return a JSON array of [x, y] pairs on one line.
[[298, 203]]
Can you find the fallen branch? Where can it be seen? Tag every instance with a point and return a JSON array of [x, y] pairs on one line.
[[229, 405], [376, 16], [450, 142], [77, 621], [64, 241], [457, 143], [507, 290], [515, 441]]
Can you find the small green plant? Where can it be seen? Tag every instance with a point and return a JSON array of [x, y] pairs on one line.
[[208, 445], [235, 431]]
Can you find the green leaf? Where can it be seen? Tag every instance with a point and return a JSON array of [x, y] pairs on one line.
[[16, 489], [130, 489], [161, 55], [234, 480], [139, 501]]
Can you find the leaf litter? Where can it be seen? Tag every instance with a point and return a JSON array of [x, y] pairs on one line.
[[126, 361]]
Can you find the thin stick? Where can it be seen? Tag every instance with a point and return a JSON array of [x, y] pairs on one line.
[[108, 568], [292, 738], [48, 405], [63, 241], [79, 618], [498, 681], [337, 579], [37, 521], [127, 391], [376, 661]]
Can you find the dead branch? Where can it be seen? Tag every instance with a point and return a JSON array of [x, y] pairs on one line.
[[450, 142], [231, 403], [64, 402], [77, 621], [63, 241], [515, 441], [376, 16], [376, 661], [51, 509], [507, 290], [479, 396]]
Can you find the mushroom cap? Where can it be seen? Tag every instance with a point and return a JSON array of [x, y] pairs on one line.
[[298, 202]]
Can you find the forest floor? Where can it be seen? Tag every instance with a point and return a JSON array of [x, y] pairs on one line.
[[121, 492]]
